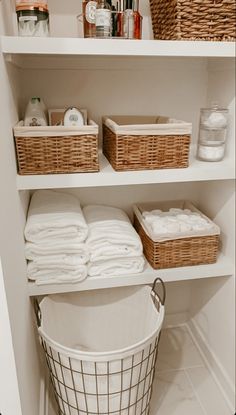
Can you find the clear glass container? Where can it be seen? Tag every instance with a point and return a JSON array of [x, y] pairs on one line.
[[33, 21], [212, 133]]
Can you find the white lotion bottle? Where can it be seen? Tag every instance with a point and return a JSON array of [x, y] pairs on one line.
[[35, 114]]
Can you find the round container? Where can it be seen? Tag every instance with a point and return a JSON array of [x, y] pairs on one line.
[[31, 3], [212, 133], [33, 21]]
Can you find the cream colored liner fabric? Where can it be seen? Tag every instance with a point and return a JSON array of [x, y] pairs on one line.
[[147, 125], [54, 131]]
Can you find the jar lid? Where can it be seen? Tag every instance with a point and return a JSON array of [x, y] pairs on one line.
[[215, 107], [32, 7]]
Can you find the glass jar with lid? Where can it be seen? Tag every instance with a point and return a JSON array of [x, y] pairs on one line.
[[212, 133]]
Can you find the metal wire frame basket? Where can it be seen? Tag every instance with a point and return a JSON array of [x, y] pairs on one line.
[[104, 387]]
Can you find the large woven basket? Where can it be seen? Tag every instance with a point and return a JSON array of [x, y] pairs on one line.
[[179, 251], [145, 143], [193, 20], [49, 150]]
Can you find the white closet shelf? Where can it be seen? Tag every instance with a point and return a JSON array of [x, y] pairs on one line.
[[44, 47], [107, 176], [222, 268]]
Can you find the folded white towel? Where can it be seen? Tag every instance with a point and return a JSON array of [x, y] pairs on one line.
[[55, 274], [111, 234], [117, 266], [55, 216], [58, 251]]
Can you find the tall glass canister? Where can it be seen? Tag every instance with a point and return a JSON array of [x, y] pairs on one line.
[[212, 133]]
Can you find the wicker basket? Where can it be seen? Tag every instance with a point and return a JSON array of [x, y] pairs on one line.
[[145, 143], [195, 20], [49, 150], [180, 250]]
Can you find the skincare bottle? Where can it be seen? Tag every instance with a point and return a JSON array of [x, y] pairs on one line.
[[129, 20], [120, 21], [103, 19], [137, 20], [35, 114], [89, 9]]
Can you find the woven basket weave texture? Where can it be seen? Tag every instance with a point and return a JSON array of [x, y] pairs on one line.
[[49, 155], [194, 20], [178, 252], [145, 152]]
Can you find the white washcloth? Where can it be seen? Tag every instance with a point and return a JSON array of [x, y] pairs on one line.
[[117, 266], [55, 216], [111, 234], [56, 273], [59, 251]]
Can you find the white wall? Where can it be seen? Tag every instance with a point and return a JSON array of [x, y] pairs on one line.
[[9, 392], [213, 302], [12, 242]]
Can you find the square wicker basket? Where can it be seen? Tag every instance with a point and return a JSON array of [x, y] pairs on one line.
[[146, 143], [180, 250], [195, 20], [51, 150]]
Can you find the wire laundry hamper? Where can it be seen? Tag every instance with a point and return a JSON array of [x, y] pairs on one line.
[[106, 382]]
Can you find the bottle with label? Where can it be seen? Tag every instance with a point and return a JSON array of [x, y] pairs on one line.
[[137, 20], [36, 113], [103, 19], [129, 20], [89, 9]]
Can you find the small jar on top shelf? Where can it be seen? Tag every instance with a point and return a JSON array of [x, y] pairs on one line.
[[212, 133]]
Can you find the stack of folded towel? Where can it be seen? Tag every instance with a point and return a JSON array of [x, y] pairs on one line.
[[55, 233], [114, 246]]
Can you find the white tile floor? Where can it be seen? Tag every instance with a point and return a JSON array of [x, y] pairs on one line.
[[183, 384]]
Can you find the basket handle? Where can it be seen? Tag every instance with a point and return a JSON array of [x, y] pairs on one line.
[[38, 313], [163, 299]]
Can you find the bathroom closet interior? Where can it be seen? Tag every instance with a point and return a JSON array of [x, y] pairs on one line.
[[134, 77]]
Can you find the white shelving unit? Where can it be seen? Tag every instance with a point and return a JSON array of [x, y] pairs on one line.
[[107, 176], [174, 78], [223, 267], [14, 45]]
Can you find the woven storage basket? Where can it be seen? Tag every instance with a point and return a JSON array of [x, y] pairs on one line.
[[180, 250], [48, 150], [195, 20], [142, 143]]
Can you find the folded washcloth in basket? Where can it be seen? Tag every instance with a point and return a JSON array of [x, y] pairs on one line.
[[117, 266], [58, 251], [111, 234], [57, 273], [55, 216]]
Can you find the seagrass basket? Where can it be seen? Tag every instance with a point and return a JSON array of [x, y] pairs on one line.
[[57, 149], [146, 143], [193, 20], [177, 250]]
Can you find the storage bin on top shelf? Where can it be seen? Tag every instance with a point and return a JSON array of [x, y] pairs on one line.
[[195, 20], [56, 149], [170, 250], [146, 142]]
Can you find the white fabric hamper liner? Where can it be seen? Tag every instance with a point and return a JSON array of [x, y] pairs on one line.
[[101, 348]]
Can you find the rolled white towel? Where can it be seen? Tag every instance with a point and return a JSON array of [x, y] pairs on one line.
[[44, 251], [55, 216], [111, 235], [117, 266], [55, 274]]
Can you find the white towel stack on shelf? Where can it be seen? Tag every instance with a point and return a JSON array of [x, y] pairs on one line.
[[114, 246], [55, 233]]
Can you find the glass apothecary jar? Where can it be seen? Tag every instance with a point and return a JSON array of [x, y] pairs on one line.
[[212, 133]]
